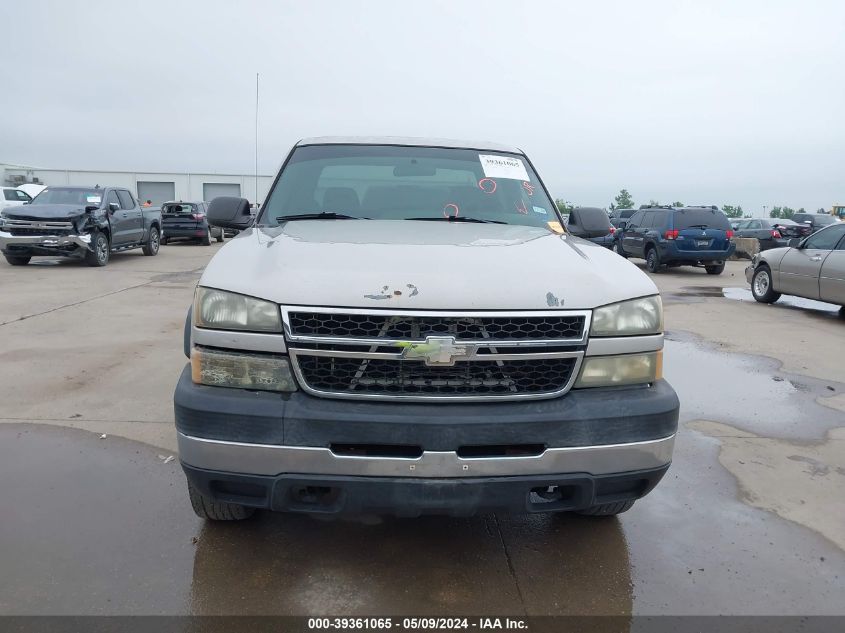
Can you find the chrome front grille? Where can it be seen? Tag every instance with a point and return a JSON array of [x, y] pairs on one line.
[[378, 354], [37, 227], [479, 327]]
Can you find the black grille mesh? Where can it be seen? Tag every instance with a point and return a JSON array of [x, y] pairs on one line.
[[418, 327], [405, 377]]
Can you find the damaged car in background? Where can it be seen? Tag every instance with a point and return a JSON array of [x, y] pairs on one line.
[[87, 223], [407, 328]]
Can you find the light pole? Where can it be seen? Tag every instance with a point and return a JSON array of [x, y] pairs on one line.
[[764, 210]]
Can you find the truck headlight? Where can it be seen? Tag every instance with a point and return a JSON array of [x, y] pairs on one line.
[[221, 310], [614, 371], [628, 318], [241, 370]]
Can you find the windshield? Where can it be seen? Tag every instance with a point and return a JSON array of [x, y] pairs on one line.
[[701, 218], [400, 183], [67, 195]]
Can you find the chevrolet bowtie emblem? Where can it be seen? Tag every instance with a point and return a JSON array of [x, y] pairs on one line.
[[438, 351]]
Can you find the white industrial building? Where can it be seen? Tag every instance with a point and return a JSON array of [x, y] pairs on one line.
[[158, 187]]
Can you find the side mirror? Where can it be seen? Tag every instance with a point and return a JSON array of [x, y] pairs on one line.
[[622, 224], [113, 206], [229, 212]]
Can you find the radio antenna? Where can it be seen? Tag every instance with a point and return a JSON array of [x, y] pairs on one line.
[[256, 139]]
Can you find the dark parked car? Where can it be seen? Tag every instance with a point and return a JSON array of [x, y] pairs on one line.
[[678, 236], [620, 215], [767, 231], [815, 221], [188, 221], [792, 231], [591, 223], [83, 222]]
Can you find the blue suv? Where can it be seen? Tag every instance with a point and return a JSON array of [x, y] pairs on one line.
[[677, 236]]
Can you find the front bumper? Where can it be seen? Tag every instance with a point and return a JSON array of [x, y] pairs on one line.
[[42, 242], [286, 452], [413, 497]]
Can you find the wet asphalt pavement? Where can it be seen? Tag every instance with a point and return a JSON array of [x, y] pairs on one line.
[[747, 521]]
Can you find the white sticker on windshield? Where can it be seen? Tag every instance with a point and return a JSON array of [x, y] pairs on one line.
[[93, 199], [503, 167], [539, 210]]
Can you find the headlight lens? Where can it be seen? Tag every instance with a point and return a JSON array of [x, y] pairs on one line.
[[222, 310], [637, 316], [614, 371], [240, 370]]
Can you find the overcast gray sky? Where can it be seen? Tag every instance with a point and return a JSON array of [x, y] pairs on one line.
[[738, 102]]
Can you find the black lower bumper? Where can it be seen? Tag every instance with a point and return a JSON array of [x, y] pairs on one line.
[[586, 417], [413, 497]]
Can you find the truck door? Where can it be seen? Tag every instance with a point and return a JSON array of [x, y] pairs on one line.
[[134, 216], [117, 219]]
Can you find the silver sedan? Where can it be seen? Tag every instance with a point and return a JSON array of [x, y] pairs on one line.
[[814, 269]]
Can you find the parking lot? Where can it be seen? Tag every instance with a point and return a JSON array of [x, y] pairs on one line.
[[96, 518]]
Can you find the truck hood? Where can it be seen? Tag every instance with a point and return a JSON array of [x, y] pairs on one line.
[[394, 264], [44, 212]]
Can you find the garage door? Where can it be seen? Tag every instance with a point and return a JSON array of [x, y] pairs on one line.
[[212, 190], [157, 192]]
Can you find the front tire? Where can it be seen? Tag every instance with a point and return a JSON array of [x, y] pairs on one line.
[[761, 286], [716, 269], [652, 260], [220, 237], [205, 508], [100, 250], [150, 247], [608, 509], [20, 260]]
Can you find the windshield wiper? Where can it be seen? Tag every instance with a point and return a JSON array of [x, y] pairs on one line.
[[459, 218], [321, 215]]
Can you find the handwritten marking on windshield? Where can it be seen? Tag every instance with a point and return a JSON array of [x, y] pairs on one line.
[[487, 185]]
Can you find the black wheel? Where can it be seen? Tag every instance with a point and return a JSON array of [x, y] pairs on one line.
[[100, 250], [761, 285], [608, 509], [20, 260], [617, 248], [205, 508], [715, 269], [652, 260], [220, 237], [206, 239], [150, 247]]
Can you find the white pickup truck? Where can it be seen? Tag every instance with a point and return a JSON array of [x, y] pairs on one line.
[[407, 328]]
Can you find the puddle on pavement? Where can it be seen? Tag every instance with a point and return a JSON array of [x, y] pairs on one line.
[[743, 294], [798, 480], [748, 391]]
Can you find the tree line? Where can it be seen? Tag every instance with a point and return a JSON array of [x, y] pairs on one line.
[[624, 200]]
